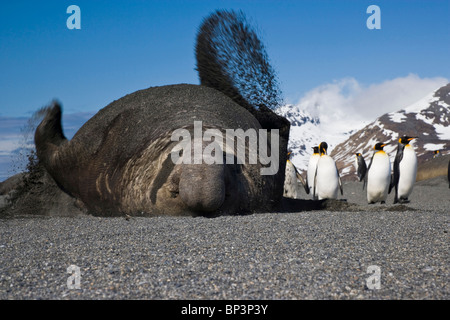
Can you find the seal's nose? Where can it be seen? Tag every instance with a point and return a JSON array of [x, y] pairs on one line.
[[202, 187]]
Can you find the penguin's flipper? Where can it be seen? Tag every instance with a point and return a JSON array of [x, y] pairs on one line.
[[367, 174], [299, 177], [396, 176], [341, 187], [315, 182], [307, 185], [391, 184], [340, 181], [370, 163]]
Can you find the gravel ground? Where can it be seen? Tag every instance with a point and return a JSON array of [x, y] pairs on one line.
[[318, 254]]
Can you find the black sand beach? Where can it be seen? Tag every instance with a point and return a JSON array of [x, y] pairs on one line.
[[315, 254]]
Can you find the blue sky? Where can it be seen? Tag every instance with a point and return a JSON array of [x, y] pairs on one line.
[[124, 46]]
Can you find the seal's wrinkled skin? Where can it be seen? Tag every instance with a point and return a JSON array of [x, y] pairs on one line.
[[119, 162]]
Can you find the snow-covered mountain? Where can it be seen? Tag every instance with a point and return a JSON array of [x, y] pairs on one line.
[[428, 119], [307, 131]]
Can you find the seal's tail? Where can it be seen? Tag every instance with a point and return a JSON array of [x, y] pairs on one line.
[[232, 59]]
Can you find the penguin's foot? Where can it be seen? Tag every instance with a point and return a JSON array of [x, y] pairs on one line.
[[403, 200]]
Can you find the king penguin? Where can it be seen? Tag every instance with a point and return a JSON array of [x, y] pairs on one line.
[[378, 175], [327, 181], [361, 167], [291, 185], [405, 170], [312, 164]]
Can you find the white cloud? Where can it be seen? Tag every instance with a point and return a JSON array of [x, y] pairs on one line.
[[346, 104], [396, 94]]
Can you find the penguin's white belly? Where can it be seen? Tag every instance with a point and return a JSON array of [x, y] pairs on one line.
[[379, 178], [291, 187], [311, 172], [408, 172], [327, 179]]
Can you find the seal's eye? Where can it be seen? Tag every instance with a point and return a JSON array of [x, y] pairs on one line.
[[174, 182]]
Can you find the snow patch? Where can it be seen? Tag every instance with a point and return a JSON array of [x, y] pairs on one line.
[[442, 131], [397, 117], [424, 118], [433, 146], [422, 103]]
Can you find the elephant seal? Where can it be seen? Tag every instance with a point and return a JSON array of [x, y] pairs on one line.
[[120, 161]]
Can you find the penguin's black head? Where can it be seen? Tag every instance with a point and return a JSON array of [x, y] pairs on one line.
[[323, 146], [315, 149], [358, 154], [289, 154], [379, 146], [405, 140]]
